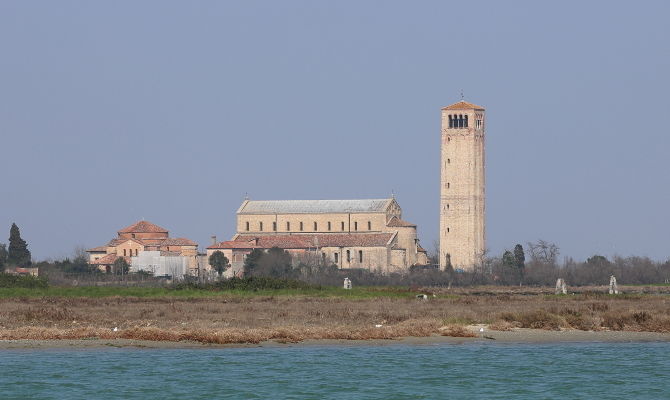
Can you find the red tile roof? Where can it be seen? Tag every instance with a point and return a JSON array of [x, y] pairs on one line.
[[307, 241], [463, 105], [399, 223], [178, 242], [143, 227], [109, 260], [420, 249]]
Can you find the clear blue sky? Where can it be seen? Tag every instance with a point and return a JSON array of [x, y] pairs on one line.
[[170, 111]]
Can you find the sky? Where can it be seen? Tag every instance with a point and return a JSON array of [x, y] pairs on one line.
[[172, 111]]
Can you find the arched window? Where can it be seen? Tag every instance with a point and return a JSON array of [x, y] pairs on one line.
[[342, 226], [300, 225], [466, 121], [356, 225], [448, 160], [336, 256], [447, 230], [369, 225], [328, 225], [451, 122], [447, 206], [360, 256], [348, 256], [136, 252], [247, 225], [274, 226], [460, 121], [124, 252], [260, 226], [288, 226], [448, 185], [315, 226]]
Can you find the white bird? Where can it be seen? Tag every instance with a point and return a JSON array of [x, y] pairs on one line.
[[116, 329], [378, 325]]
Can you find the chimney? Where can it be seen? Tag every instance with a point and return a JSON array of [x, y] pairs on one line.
[[213, 240]]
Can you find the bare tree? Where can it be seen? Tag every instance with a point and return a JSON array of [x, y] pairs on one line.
[[543, 252]]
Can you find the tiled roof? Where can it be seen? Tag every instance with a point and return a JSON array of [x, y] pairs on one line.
[[463, 105], [116, 242], [109, 259], [178, 242], [420, 249], [396, 222], [313, 206], [308, 241], [97, 249], [143, 227]]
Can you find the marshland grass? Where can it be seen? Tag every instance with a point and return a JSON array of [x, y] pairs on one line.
[[293, 315]]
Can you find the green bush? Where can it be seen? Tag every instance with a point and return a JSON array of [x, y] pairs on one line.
[[251, 283], [22, 281]]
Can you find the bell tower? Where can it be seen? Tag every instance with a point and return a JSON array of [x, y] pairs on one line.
[[462, 194]]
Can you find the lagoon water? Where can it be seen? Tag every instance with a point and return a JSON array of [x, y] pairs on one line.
[[440, 371]]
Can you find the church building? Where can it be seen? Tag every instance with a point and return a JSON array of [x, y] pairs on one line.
[[368, 234]]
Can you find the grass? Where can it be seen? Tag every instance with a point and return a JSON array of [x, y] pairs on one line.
[[143, 292]]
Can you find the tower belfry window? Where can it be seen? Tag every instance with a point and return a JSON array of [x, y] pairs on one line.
[[451, 122], [466, 121], [460, 121]]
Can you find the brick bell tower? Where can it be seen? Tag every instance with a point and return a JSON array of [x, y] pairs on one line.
[[462, 194]]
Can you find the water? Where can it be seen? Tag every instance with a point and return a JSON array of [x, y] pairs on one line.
[[441, 371]]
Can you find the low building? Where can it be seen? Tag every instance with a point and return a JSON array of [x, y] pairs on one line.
[[141, 237], [366, 233], [161, 263]]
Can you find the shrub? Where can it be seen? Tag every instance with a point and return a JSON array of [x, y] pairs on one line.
[[22, 281], [250, 283]]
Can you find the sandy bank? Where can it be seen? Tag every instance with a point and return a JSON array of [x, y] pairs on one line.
[[532, 336]]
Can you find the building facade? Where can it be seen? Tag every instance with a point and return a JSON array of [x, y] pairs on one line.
[[139, 237], [462, 186], [367, 234]]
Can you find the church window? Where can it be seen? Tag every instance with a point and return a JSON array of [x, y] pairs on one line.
[[135, 252], [448, 139], [447, 206], [336, 255], [466, 121], [348, 256], [342, 225], [356, 225], [288, 226], [451, 122], [448, 185], [460, 121], [447, 230], [260, 226], [301, 226], [274, 226], [247, 225], [124, 252], [328, 225], [315, 226], [369, 225], [360, 256], [448, 160]]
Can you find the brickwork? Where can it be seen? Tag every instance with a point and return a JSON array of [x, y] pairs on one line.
[[462, 186]]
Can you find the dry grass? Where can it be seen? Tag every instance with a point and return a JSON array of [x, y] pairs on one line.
[[292, 319]]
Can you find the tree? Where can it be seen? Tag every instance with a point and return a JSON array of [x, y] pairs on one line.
[[219, 262], [3, 256], [276, 263], [18, 253], [543, 252], [121, 266], [520, 259], [251, 261]]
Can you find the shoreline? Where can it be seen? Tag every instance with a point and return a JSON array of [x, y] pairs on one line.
[[518, 336]]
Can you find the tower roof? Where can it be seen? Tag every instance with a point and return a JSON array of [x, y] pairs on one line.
[[463, 105], [143, 227]]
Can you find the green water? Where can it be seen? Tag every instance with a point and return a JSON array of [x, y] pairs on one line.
[[441, 371]]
